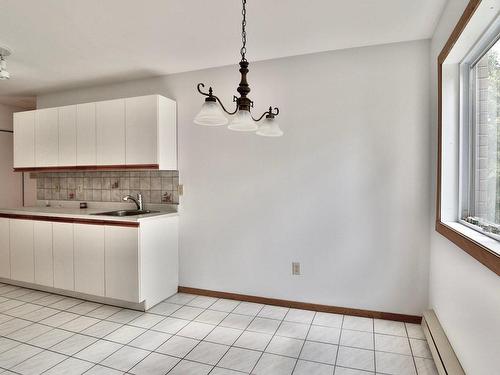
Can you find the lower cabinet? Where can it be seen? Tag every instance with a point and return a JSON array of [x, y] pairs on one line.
[[134, 264], [62, 248], [22, 267], [89, 259], [42, 250], [4, 248], [122, 263]]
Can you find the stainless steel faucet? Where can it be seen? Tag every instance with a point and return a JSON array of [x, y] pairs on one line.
[[138, 201]]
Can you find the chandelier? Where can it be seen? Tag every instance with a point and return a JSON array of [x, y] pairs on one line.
[[212, 115]]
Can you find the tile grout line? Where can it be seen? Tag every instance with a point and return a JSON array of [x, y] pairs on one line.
[[53, 351], [126, 324], [131, 324], [374, 350], [200, 341], [126, 345], [73, 334], [305, 340], [123, 308], [411, 349], [338, 346], [232, 345], [273, 335]]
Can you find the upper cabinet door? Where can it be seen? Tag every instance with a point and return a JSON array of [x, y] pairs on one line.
[[24, 139], [67, 136], [141, 121], [46, 138], [110, 124], [85, 134], [167, 133]]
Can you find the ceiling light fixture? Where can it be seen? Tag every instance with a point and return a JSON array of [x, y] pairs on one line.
[[211, 114], [4, 52]]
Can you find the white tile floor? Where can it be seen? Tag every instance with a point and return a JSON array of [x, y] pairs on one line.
[[188, 334]]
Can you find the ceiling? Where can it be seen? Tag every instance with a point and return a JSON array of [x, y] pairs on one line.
[[66, 44]]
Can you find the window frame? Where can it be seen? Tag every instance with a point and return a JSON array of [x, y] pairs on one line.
[[467, 178], [464, 241]]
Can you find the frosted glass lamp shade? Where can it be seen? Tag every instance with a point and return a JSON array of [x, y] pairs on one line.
[[4, 74], [243, 122], [270, 128], [210, 115]]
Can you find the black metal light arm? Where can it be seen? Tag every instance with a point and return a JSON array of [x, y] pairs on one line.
[[271, 113], [215, 98]]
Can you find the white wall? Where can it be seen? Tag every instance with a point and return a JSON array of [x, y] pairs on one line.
[[464, 294], [10, 182], [344, 192]]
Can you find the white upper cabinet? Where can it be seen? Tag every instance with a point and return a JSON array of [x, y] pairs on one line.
[[139, 131], [151, 131], [167, 133], [24, 139], [46, 138], [85, 134], [141, 119], [67, 135], [110, 125]]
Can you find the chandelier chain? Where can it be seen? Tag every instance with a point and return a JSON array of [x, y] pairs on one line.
[[243, 31]]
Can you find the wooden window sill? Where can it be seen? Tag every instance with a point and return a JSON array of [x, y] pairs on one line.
[[482, 248]]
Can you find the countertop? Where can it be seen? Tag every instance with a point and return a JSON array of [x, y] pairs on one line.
[[85, 214]]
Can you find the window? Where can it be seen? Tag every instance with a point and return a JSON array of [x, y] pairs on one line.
[[468, 147], [480, 170]]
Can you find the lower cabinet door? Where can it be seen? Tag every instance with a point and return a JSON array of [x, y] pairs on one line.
[[62, 247], [122, 267], [44, 265], [89, 259], [22, 266], [4, 248]]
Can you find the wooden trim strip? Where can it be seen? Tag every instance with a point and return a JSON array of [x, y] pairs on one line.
[[471, 247], [87, 168], [304, 305], [56, 219], [458, 30]]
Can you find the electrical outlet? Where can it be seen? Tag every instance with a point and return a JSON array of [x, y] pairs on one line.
[[180, 189], [295, 268]]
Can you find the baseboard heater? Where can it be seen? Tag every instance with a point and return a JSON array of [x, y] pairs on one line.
[[444, 357]]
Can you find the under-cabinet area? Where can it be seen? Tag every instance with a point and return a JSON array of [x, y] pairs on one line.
[[130, 263]]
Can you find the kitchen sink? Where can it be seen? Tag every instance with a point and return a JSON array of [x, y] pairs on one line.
[[126, 213]]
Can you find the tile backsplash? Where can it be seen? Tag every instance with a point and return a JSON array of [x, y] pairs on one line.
[[108, 186]]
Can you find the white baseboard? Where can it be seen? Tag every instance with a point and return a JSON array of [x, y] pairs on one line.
[[68, 293], [444, 357]]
